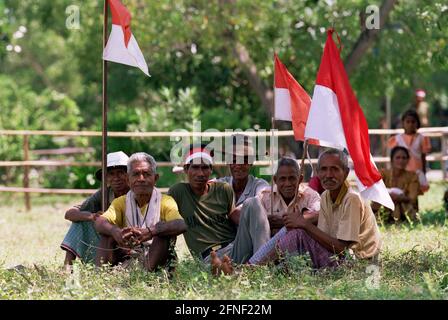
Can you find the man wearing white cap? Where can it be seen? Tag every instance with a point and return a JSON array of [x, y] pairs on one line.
[[208, 210], [81, 239], [143, 221]]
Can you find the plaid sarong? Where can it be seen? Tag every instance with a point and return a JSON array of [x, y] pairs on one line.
[[81, 240], [294, 242]]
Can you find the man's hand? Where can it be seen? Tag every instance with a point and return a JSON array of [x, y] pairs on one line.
[[131, 236], [275, 221], [235, 215], [142, 234], [118, 237], [293, 219]]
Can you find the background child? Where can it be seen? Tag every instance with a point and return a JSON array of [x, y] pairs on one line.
[[416, 143]]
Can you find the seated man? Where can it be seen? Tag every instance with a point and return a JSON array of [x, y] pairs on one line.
[[143, 217], [345, 223], [81, 238], [243, 184], [288, 192]]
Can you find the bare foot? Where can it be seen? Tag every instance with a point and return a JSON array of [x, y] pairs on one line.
[[216, 263], [226, 265]]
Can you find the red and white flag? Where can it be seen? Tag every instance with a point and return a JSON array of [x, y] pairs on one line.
[[292, 102], [337, 120], [121, 46]]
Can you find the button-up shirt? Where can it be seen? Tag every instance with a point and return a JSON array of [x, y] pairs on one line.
[[308, 199]]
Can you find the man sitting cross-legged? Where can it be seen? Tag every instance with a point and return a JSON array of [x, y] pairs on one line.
[[345, 223], [288, 194], [143, 217], [82, 238]]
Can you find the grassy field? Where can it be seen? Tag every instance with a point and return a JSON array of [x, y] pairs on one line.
[[414, 264]]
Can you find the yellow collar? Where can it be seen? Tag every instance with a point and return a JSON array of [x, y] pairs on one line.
[[342, 193]]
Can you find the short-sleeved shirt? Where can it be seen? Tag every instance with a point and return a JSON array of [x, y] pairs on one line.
[[417, 145], [308, 199], [253, 187], [116, 214], [206, 216], [349, 218], [94, 202]]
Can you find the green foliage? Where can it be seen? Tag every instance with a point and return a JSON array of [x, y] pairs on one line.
[[54, 81]]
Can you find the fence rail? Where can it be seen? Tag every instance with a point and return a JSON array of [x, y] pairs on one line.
[[26, 163]]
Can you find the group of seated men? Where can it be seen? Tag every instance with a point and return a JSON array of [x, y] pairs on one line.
[[229, 220]]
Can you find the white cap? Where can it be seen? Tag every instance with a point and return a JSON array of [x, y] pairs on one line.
[[420, 93], [178, 169], [114, 159]]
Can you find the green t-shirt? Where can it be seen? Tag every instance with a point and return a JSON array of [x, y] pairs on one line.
[[206, 216]]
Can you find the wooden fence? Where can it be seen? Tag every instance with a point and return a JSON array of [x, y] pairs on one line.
[[434, 133]]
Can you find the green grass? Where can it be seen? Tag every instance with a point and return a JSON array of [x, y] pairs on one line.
[[414, 264]]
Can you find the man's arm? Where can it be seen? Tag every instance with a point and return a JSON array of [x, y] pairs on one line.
[[169, 229], [298, 221], [104, 227], [75, 214], [235, 215], [312, 216], [87, 211], [331, 244], [162, 229]]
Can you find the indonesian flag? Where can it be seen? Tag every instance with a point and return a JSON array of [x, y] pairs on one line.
[[292, 102], [122, 46], [337, 120]]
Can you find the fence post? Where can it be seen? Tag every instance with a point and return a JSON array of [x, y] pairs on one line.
[[26, 171], [442, 162]]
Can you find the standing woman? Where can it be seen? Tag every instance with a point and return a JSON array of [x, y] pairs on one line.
[[417, 145]]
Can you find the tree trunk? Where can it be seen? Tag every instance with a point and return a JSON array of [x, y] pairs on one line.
[[367, 37]]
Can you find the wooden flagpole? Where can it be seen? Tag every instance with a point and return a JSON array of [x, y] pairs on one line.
[[272, 148], [272, 160], [104, 131], [302, 168]]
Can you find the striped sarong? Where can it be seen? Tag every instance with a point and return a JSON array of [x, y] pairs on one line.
[[81, 240], [294, 242]]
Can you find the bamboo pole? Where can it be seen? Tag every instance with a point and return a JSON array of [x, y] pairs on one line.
[[104, 131], [272, 163], [302, 169]]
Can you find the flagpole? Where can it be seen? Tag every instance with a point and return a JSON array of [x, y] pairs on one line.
[[302, 168], [302, 164], [272, 148], [104, 130], [272, 162]]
